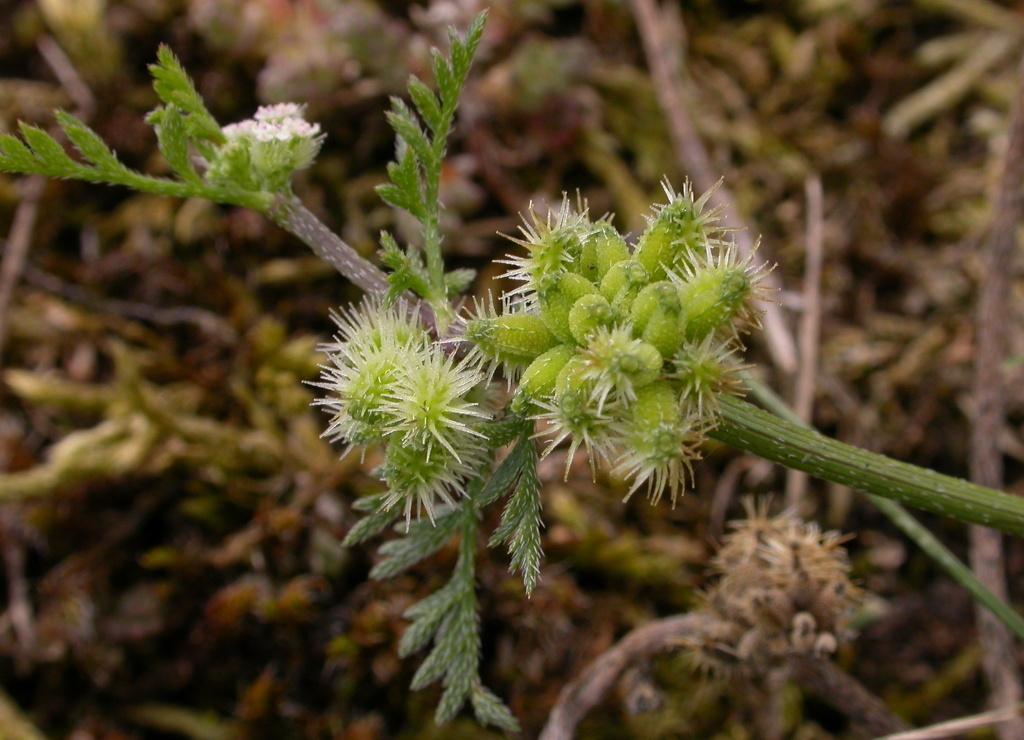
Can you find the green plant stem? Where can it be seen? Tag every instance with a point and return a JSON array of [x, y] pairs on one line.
[[752, 430], [289, 213], [912, 528]]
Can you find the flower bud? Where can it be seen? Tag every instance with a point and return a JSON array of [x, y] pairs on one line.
[[262, 152]]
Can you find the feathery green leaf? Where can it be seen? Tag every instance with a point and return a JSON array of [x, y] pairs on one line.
[[490, 710], [173, 140], [427, 104], [521, 522], [89, 144], [174, 87], [423, 539]]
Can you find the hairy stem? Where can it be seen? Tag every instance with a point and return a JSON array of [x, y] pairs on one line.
[[752, 430], [289, 213]]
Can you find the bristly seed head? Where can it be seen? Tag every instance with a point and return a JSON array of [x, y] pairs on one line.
[[388, 383], [623, 351]]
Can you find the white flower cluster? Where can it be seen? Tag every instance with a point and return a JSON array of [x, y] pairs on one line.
[[262, 152], [281, 122]]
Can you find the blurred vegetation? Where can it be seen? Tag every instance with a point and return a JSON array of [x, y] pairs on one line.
[[174, 568]]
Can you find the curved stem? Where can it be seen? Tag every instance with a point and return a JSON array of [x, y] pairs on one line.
[[912, 528], [289, 213], [752, 430]]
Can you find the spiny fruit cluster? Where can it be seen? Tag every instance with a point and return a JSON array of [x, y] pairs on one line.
[[785, 588], [392, 385], [623, 350]]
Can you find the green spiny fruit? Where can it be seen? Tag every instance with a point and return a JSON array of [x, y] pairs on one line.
[[514, 339], [677, 231], [618, 364], [713, 299], [623, 281], [553, 244], [556, 296], [658, 442], [602, 248], [705, 370], [657, 317], [539, 378], [590, 313]]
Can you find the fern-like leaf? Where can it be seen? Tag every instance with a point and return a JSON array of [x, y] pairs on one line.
[[172, 136], [404, 122], [491, 710], [520, 522], [175, 88], [507, 473], [422, 540], [90, 145], [427, 104]]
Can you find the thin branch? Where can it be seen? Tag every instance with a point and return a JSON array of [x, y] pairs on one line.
[[956, 727], [70, 80], [810, 325], [821, 677], [827, 681], [693, 158], [289, 213], [601, 675], [16, 249], [1000, 666]]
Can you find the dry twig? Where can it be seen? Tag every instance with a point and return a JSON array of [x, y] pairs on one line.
[[16, 249], [810, 323], [1001, 668], [821, 677], [601, 675]]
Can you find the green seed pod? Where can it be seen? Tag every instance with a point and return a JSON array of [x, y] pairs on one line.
[[656, 404], [571, 376], [590, 313], [602, 249], [706, 370], [514, 339], [617, 364], [657, 317], [556, 296], [713, 299], [657, 441], [678, 231], [623, 281], [539, 378], [553, 243]]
